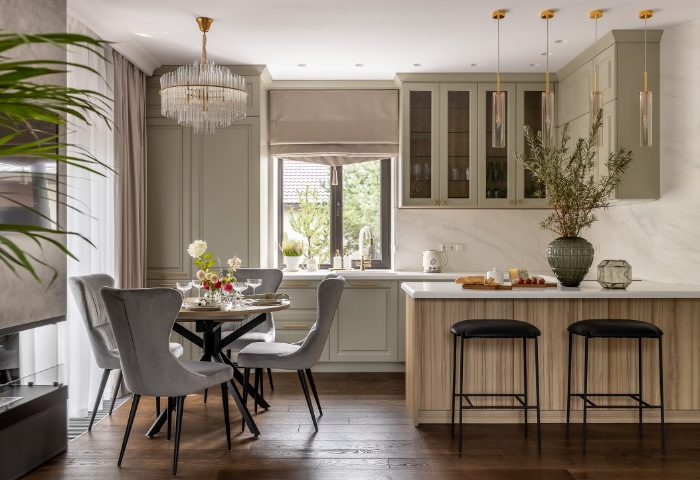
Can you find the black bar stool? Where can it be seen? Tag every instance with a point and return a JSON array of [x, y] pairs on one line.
[[494, 329], [615, 329]]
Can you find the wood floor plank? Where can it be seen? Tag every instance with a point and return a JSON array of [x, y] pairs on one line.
[[367, 437]]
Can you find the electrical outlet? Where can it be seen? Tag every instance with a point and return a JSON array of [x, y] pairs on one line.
[[452, 247], [443, 247], [459, 247]]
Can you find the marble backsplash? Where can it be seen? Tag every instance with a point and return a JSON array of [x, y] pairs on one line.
[[660, 239]]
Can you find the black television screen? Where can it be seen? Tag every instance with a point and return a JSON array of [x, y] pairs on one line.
[[28, 185]]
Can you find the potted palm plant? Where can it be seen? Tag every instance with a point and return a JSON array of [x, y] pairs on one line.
[[573, 191], [31, 110]]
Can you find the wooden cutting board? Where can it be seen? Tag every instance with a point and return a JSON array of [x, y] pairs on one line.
[[486, 287], [534, 285]]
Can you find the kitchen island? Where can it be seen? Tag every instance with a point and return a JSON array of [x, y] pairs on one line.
[[495, 365]]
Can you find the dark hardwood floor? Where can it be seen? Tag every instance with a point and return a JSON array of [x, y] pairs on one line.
[[365, 433]]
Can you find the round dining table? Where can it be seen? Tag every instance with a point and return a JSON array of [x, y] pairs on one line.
[[208, 322]]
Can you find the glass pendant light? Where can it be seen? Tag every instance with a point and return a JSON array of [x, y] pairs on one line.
[[596, 96], [645, 98], [547, 95], [498, 114]]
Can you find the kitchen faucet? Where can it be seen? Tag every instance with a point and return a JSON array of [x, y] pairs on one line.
[[365, 232]]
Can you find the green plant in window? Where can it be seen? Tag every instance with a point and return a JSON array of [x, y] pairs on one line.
[[311, 221], [291, 247], [361, 202]]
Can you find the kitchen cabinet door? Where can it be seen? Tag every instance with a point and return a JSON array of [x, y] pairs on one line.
[[496, 176], [420, 152], [366, 324], [528, 192]]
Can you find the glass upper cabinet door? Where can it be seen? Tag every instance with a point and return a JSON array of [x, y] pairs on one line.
[[458, 145], [529, 192], [496, 165], [420, 147]]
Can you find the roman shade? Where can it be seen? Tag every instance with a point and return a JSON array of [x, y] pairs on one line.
[[334, 127]]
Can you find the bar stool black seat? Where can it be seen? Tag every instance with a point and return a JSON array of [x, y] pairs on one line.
[[494, 328], [618, 328]]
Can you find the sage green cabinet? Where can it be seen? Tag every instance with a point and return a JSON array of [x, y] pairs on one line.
[[438, 144], [618, 58], [365, 327], [202, 186], [366, 324], [447, 160]]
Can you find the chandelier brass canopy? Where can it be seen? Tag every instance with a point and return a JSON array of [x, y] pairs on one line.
[[203, 95]]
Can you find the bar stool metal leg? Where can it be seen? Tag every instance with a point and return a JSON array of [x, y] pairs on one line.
[[537, 395], [454, 378], [525, 380], [461, 388], [568, 389], [641, 406], [661, 398], [585, 394]]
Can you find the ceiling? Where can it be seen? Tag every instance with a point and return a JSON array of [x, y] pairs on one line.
[[364, 39]]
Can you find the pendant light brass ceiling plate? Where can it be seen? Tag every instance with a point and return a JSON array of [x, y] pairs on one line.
[[204, 23], [596, 14], [644, 14], [546, 14]]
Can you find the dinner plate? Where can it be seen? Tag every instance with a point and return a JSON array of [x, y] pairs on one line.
[[265, 302], [203, 308]]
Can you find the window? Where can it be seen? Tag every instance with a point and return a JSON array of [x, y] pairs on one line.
[[331, 216]]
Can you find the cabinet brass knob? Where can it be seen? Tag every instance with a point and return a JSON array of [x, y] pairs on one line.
[[435, 202], [444, 202]]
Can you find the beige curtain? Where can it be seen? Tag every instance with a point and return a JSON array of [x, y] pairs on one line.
[[130, 164], [334, 127]]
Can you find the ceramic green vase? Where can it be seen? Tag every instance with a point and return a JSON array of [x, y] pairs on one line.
[[570, 259]]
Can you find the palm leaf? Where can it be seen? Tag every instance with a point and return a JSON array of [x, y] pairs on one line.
[[24, 105]]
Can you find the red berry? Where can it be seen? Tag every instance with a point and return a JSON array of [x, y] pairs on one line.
[[521, 281], [541, 281], [528, 281]]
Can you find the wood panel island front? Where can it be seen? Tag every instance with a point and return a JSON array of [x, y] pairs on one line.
[[496, 365]]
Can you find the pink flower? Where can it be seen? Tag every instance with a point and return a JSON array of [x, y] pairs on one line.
[[228, 287]]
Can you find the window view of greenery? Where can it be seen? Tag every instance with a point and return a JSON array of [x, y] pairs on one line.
[[316, 212]]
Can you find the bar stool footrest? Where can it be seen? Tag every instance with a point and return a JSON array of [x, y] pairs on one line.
[[634, 396]]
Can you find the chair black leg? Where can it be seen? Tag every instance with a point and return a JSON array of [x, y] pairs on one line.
[[269, 378], [454, 378], [305, 388], [98, 400], [537, 396], [116, 390], [461, 388], [313, 390], [568, 388], [246, 377], [256, 386], [227, 422], [157, 406], [179, 405], [585, 394], [661, 398], [639, 380], [525, 380], [206, 391], [170, 405], [129, 423]]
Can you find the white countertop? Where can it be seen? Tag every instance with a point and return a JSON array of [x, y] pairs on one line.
[[377, 274], [587, 289]]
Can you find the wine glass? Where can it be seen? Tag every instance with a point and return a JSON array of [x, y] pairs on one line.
[[183, 286], [254, 282], [240, 287], [197, 283]]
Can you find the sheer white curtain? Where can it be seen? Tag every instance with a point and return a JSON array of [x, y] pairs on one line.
[[91, 212]]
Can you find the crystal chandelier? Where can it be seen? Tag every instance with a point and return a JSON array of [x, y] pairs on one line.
[[203, 95]]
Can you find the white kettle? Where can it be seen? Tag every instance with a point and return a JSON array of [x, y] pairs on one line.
[[434, 260]]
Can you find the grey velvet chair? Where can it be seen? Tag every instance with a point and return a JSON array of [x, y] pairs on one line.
[[142, 320], [86, 292], [265, 332], [299, 356]]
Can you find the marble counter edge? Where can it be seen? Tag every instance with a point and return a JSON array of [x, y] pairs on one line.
[[640, 289]]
